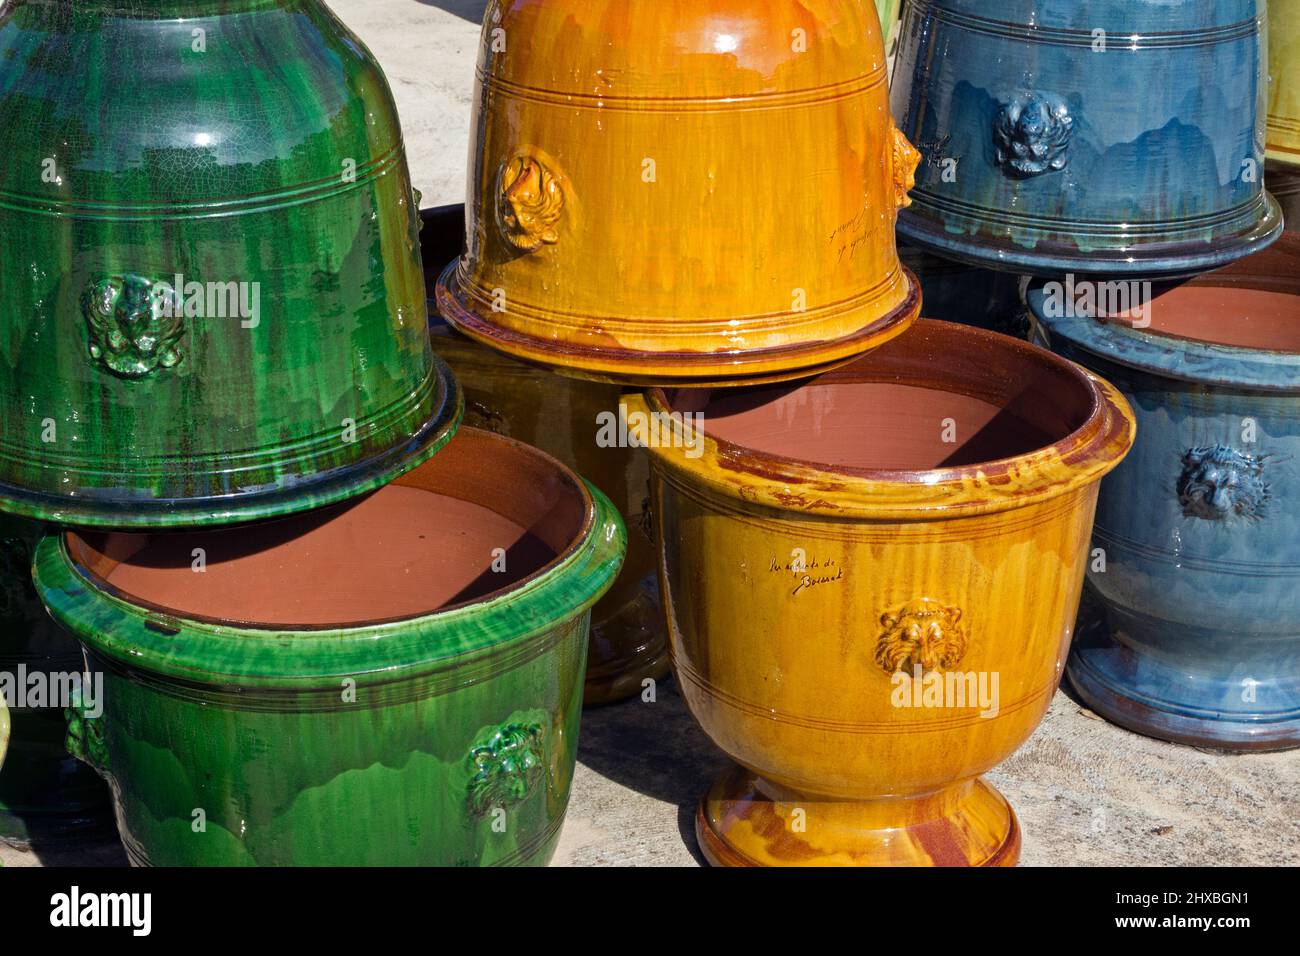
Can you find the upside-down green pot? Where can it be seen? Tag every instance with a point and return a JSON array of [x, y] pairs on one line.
[[209, 270], [443, 736]]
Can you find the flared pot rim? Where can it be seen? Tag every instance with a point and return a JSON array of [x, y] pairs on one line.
[[1185, 359], [789, 485], [187, 648]]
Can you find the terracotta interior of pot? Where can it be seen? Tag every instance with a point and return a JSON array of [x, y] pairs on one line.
[[938, 396], [478, 518], [1252, 304]]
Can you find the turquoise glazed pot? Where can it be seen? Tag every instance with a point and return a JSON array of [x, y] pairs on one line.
[[1198, 531], [395, 681], [209, 265], [46, 796], [1114, 136]]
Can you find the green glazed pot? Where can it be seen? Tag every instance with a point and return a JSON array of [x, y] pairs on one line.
[[210, 281], [46, 796], [425, 711]]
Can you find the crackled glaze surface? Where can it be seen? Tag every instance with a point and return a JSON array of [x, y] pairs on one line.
[[801, 595], [251, 148], [676, 191], [1200, 526], [1099, 136], [445, 738]]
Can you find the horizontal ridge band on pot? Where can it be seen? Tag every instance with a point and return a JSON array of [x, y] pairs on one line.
[[422, 661], [1284, 83], [1085, 136], [213, 303], [632, 216]]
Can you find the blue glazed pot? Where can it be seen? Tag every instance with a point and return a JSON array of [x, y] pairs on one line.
[[1198, 572], [1117, 136], [957, 292]]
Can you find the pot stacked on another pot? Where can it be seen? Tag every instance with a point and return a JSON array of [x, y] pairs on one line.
[[848, 506], [317, 629]]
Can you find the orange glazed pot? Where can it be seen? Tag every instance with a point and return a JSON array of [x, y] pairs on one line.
[[677, 192], [871, 580]]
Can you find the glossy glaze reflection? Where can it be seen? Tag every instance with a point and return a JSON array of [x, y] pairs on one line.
[[682, 192], [1115, 136], [804, 585], [1200, 593], [1284, 85], [302, 745], [251, 149]]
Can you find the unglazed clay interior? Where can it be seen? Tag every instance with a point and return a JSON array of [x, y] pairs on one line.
[[893, 409], [425, 543], [1226, 315]]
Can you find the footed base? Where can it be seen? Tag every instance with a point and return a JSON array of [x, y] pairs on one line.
[[1160, 700], [745, 820], [627, 648]]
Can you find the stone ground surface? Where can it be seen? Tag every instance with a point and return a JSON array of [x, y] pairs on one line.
[[1087, 793]]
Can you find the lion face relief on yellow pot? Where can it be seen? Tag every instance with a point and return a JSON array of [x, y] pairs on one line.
[[530, 200], [924, 633]]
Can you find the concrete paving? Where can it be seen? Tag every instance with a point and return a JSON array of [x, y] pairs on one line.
[[1087, 793]]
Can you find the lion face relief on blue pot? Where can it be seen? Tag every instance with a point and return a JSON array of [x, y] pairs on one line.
[[1218, 483], [1032, 134]]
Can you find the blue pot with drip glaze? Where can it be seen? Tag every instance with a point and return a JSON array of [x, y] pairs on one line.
[[1196, 563], [1109, 136]]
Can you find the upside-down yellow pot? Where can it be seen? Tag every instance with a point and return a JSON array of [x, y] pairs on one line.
[[871, 579], [1284, 82], [682, 192]]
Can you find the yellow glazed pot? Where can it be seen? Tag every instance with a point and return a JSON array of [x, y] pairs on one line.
[[677, 192], [564, 418], [871, 579], [1284, 82]]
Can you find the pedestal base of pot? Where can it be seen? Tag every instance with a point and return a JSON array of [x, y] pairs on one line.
[[1173, 702], [964, 237], [626, 648], [745, 820], [699, 369]]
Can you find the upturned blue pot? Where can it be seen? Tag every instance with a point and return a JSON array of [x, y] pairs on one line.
[[1115, 136], [1197, 537]]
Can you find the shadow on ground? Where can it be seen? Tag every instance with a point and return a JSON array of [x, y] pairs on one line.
[[656, 749], [471, 10]]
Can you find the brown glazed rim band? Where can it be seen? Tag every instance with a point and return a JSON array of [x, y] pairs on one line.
[[932, 354]]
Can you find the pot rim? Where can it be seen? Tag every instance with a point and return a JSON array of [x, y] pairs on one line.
[[785, 484], [1192, 360], [142, 636], [285, 499]]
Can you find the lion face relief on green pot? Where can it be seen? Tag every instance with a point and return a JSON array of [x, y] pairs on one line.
[[505, 768], [134, 325]]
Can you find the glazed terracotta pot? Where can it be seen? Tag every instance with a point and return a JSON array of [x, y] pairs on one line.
[[1112, 136], [1284, 85], [209, 268], [831, 558], [682, 192], [563, 417], [1200, 527], [46, 796], [392, 681]]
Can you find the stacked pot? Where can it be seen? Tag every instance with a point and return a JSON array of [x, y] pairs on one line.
[[845, 502], [1117, 152], [217, 319]]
